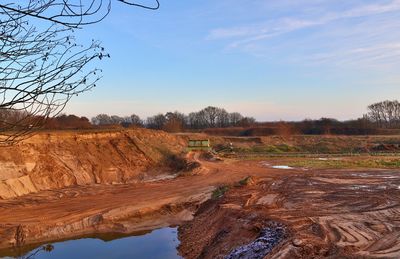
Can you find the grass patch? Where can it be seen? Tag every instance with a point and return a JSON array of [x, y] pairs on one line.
[[388, 163], [246, 181], [280, 148], [219, 191]]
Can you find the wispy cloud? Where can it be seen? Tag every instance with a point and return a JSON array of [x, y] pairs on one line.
[[376, 34], [288, 24], [380, 54]]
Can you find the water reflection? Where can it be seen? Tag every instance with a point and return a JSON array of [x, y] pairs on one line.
[[159, 243]]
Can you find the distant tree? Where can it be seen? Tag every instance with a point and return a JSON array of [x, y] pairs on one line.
[[175, 122], [385, 114], [196, 120], [71, 121], [222, 118], [156, 122], [210, 114], [116, 120], [325, 125], [136, 120], [209, 117], [235, 118], [102, 119]]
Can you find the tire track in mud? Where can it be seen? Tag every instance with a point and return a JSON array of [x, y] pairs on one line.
[[338, 214], [358, 213]]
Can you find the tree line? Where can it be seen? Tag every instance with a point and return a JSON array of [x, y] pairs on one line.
[[209, 117], [380, 118]]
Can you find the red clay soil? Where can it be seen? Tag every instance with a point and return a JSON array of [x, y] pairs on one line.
[[60, 159], [327, 214], [121, 208]]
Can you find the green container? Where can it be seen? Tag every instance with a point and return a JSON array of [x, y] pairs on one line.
[[199, 145]]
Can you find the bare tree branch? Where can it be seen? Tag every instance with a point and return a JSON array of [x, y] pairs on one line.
[[41, 66], [69, 13]]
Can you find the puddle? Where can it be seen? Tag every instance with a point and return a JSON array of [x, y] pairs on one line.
[[266, 164], [285, 167], [259, 248], [160, 243], [358, 187]]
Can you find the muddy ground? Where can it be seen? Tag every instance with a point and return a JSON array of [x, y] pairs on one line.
[[326, 213], [336, 213]]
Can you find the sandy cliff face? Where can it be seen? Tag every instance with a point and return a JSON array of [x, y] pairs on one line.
[[60, 159]]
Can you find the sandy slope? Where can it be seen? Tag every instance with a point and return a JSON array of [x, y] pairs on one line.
[[57, 160]]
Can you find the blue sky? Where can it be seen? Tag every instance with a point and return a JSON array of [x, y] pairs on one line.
[[268, 59]]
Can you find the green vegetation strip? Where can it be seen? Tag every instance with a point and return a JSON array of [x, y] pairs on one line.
[[339, 164], [292, 154]]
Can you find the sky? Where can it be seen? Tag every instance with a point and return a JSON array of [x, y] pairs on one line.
[[270, 59]]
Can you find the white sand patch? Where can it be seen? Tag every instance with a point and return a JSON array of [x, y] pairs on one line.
[[329, 158]]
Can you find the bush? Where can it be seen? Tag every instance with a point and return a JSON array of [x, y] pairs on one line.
[[179, 163], [246, 181], [219, 191]]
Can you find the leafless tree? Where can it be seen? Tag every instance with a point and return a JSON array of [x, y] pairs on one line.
[[235, 118], [211, 115], [41, 65], [175, 122], [385, 114], [156, 122], [195, 120], [102, 119], [222, 118], [136, 120]]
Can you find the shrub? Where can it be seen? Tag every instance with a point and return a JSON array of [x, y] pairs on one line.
[[219, 191]]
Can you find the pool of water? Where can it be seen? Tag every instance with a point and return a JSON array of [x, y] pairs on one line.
[[160, 243]]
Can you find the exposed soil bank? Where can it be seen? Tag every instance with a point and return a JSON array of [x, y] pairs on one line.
[[124, 209], [327, 214], [55, 160], [119, 222]]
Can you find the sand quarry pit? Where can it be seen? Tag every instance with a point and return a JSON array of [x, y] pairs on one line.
[[330, 213], [260, 211]]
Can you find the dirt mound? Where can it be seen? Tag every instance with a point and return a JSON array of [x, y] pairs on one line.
[[53, 160]]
